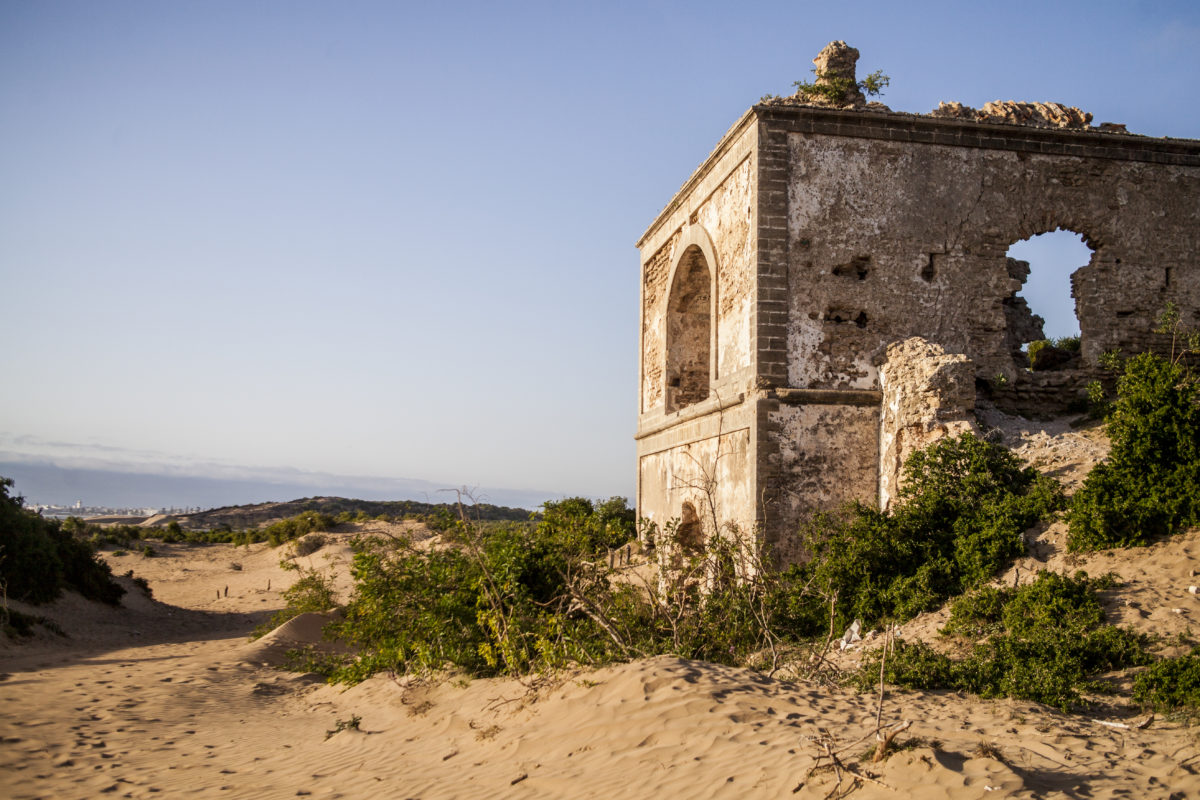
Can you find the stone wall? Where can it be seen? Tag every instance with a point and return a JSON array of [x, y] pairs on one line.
[[695, 472], [893, 239], [835, 236], [715, 221], [818, 456]]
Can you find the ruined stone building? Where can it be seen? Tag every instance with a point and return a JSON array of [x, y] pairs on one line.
[[830, 290]]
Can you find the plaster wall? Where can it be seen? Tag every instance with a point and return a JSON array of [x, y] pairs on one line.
[[693, 472], [893, 239], [834, 234], [819, 457], [716, 217]]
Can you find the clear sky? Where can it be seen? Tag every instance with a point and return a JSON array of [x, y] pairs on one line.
[[397, 239]]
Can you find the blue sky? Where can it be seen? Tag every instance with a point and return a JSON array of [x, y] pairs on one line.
[[397, 239]]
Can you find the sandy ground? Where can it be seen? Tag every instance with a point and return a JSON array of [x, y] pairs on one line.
[[169, 698]]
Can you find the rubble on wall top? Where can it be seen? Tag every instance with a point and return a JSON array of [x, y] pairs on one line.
[[837, 86], [1045, 115]]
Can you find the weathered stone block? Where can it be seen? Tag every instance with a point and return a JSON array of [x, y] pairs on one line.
[[927, 394]]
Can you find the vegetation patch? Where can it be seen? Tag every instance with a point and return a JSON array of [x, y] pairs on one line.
[[40, 558], [489, 601], [1149, 486], [838, 90], [1047, 354], [1171, 684], [312, 592], [1045, 641], [964, 506], [16, 624], [516, 599]]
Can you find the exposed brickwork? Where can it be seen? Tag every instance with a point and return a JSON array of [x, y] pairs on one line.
[[654, 292]]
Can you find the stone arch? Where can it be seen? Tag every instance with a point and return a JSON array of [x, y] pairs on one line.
[[691, 339], [1022, 324]]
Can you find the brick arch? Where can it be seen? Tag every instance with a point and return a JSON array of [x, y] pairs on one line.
[[695, 236], [691, 320]]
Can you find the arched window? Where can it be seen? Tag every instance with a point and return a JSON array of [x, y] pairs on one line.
[[689, 331], [1043, 309]]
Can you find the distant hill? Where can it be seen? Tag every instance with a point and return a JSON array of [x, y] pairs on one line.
[[259, 514]]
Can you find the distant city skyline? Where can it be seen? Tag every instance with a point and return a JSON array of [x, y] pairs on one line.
[[396, 240]]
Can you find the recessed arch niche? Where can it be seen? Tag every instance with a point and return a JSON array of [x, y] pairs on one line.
[[690, 321]]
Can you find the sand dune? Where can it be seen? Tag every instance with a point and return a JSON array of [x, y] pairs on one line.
[[168, 698]]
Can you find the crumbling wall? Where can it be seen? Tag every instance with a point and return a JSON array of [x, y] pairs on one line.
[[655, 273], [927, 395], [719, 229], [863, 293], [893, 239], [726, 216], [1047, 115], [820, 457], [693, 473]]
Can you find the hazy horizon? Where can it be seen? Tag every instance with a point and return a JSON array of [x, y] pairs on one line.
[[41, 482], [397, 240]]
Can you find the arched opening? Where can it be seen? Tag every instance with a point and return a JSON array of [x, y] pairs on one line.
[[1043, 328], [690, 533], [689, 331]]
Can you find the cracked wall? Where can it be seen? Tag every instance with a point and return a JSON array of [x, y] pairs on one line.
[[822, 457], [718, 228], [695, 472], [894, 239], [837, 234]]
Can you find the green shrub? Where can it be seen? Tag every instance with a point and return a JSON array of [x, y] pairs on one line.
[[837, 90], [1097, 400], [410, 610], [1046, 641], [39, 558], [1149, 486], [516, 598], [964, 506], [913, 665], [1069, 343], [1170, 684], [295, 527], [309, 544], [1046, 354], [979, 613], [1034, 351], [16, 624], [141, 583]]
